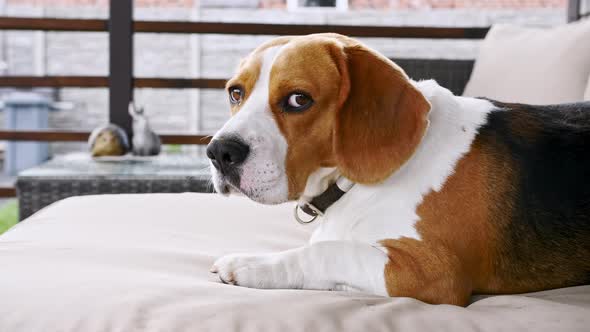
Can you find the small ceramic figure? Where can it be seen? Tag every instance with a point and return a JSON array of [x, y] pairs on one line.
[[109, 140], [145, 141]]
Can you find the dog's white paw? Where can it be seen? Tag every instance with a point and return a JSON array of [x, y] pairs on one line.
[[256, 271]]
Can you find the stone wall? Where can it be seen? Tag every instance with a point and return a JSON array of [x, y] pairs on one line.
[[209, 56]]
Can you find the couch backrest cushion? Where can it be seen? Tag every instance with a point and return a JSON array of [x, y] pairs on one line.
[[533, 65]]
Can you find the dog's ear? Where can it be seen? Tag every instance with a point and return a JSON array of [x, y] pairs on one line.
[[382, 119]]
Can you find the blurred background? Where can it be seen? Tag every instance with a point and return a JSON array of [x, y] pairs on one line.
[[216, 56]]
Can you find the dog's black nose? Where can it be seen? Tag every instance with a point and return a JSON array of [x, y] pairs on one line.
[[226, 153]]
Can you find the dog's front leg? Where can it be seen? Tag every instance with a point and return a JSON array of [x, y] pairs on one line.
[[330, 265]]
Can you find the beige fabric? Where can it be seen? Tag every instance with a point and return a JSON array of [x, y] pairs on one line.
[[140, 263], [533, 65]]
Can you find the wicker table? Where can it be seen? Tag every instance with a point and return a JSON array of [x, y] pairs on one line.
[[78, 174]]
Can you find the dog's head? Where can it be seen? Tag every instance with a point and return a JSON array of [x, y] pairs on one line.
[[303, 103]]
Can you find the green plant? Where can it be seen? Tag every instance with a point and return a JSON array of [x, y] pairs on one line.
[[8, 215], [172, 148]]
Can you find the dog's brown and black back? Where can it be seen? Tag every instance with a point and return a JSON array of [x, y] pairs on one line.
[[542, 158]]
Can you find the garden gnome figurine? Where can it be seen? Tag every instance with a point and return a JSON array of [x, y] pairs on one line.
[[145, 141], [109, 140]]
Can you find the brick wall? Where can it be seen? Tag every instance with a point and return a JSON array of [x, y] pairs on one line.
[[354, 4], [495, 4], [140, 3]]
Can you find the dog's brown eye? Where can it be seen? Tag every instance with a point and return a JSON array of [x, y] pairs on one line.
[[297, 102], [235, 95]]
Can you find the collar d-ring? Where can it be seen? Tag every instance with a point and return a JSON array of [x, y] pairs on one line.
[[302, 221]]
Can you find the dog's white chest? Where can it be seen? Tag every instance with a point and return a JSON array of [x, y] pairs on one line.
[[369, 223]]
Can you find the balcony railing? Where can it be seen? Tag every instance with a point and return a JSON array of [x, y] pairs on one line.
[[121, 82]]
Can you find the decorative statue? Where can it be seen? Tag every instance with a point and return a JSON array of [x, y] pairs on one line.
[[145, 141], [109, 140]]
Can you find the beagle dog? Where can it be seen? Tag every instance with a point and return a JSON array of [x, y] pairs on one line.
[[419, 193]]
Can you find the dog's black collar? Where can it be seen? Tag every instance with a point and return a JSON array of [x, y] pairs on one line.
[[319, 204]]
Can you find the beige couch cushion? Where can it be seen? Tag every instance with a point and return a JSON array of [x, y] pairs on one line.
[[140, 263], [533, 65]]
